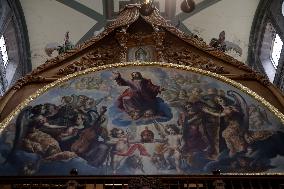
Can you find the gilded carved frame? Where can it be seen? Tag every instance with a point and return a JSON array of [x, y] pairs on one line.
[[224, 79]]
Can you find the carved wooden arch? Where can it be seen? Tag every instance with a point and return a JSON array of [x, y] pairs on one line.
[[170, 44]]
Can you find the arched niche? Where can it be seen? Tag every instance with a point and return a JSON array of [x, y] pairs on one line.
[[148, 118]]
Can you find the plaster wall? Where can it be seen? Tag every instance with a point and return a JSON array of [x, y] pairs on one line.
[[234, 17], [47, 22]]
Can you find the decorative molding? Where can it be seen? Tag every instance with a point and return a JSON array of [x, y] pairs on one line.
[[159, 37], [31, 79], [256, 76], [122, 37], [142, 182], [103, 56], [139, 38], [97, 57], [185, 56]]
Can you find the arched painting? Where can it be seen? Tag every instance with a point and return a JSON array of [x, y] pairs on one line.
[[142, 119]]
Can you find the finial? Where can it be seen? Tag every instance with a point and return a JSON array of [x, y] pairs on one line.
[[147, 8]]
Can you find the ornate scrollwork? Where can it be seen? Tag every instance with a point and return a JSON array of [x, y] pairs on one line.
[[127, 16], [185, 56], [138, 38], [145, 182], [122, 38], [97, 57], [159, 37], [229, 59], [29, 78], [256, 76], [157, 20]]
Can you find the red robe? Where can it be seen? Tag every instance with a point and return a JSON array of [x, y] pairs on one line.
[[141, 94]]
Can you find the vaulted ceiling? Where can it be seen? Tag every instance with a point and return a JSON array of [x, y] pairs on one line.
[[47, 21]]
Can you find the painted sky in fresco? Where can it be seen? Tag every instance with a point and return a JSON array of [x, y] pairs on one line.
[[142, 120]]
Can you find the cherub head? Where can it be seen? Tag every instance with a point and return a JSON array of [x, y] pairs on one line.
[[172, 129], [147, 136], [220, 100], [81, 100], [38, 110], [149, 113], [40, 119], [196, 91], [182, 94], [212, 91], [51, 109], [90, 102], [136, 76], [191, 108], [66, 100], [78, 119], [135, 114]]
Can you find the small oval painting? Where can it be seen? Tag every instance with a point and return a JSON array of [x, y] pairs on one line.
[[142, 120]]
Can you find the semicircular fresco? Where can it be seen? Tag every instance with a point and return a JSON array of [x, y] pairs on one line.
[[142, 120]]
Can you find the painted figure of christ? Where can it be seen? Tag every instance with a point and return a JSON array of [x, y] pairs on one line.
[[140, 98]]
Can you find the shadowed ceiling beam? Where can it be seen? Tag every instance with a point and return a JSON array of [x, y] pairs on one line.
[[102, 18], [82, 9], [199, 7], [101, 21], [90, 33]]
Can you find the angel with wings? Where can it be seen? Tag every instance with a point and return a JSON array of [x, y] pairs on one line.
[[173, 138], [257, 117]]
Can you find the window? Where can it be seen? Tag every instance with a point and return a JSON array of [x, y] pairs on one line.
[[268, 55], [14, 44], [266, 41], [276, 50], [283, 8], [3, 49]]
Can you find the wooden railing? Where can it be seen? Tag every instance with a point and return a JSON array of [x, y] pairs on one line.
[[153, 182]]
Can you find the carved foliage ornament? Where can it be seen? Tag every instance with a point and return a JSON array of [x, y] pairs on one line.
[[159, 38], [29, 78], [257, 76], [97, 57], [122, 38], [144, 182], [185, 56]]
